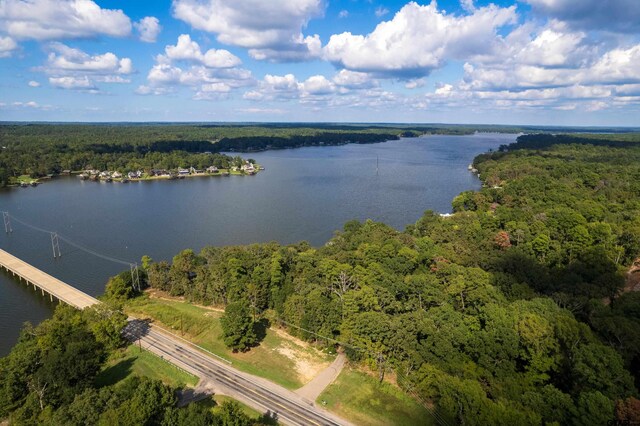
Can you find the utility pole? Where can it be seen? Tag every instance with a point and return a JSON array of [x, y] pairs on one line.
[[55, 245], [7, 222]]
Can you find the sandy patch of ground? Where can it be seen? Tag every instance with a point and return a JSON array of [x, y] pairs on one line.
[[306, 366], [294, 340]]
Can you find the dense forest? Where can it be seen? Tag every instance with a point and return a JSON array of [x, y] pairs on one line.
[[47, 149], [513, 310], [49, 378]]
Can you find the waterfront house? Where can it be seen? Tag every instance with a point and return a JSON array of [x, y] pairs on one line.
[[116, 175], [248, 168], [212, 169], [183, 172]]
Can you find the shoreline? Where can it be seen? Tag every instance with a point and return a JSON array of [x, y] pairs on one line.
[[38, 181], [31, 182]]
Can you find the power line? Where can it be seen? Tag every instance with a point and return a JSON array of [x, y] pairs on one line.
[[95, 253], [406, 384], [55, 236]]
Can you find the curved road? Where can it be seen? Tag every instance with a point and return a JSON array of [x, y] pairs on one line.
[[286, 406]]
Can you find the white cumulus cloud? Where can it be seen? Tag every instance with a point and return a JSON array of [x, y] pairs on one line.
[[418, 40], [149, 28], [271, 30], [354, 80], [189, 50], [345, 88], [59, 19], [71, 68], [33, 83], [72, 82], [63, 58], [211, 75], [7, 46]]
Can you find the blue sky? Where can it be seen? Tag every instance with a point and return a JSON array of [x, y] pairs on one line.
[[555, 62]]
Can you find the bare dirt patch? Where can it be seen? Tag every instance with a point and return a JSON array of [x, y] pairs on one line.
[[306, 367]]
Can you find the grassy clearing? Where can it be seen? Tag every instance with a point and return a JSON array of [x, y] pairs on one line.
[[133, 361], [278, 358], [20, 179], [363, 400]]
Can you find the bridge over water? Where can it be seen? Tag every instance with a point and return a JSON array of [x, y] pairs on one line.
[[256, 392], [45, 282]]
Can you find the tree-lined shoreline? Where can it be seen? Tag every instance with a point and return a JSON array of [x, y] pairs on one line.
[[513, 310]]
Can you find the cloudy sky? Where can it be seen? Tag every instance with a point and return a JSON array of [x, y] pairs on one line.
[[559, 62]]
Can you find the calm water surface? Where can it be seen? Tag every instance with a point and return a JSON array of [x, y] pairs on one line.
[[304, 194]]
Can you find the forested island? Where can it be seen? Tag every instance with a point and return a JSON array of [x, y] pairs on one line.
[[521, 308]]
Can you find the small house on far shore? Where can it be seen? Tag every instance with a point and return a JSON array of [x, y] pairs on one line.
[[248, 168]]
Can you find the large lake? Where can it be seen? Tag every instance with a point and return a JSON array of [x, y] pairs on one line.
[[304, 194]]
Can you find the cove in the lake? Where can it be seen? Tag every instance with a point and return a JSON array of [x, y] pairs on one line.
[[303, 194]]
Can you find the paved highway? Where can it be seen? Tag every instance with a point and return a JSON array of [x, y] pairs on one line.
[[288, 407], [258, 393]]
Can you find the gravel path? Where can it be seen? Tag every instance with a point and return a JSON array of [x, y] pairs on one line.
[[312, 390]]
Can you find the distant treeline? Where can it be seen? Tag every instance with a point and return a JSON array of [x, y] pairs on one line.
[[42, 149], [546, 140], [37, 149]]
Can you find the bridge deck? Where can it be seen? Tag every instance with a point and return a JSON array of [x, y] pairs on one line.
[[46, 282]]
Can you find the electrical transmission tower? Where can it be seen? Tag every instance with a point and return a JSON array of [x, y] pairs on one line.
[[55, 245], [135, 276], [7, 222]]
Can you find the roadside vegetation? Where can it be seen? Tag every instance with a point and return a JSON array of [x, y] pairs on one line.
[[135, 361], [366, 401], [73, 369], [512, 311], [279, 358]]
